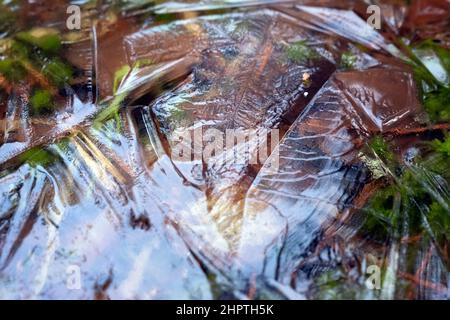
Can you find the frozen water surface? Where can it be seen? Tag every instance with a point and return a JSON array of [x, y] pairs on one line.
[[95, 202]]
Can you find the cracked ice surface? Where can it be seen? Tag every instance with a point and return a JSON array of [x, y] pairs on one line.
[[138, 223]]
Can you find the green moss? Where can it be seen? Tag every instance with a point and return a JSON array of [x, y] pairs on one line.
[[114, 106], [19, 50], [381, 148], [383, 203], [424, 78], [422, 74], [21, 54], [119, 75], [37, 157], [379, 214], [41, 101], [141, 63], [58, 72], [50, 42], [165, 17], [300, 52], [439, 160], [328, 285], [125, 69], [336, 285], [348, 60], [443, 147], [435, 95], [111, 110], [413, 194], [12, 70], [437, 104], [439, 220], [6, 66]]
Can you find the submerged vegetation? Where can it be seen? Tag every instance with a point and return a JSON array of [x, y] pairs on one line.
[[395, 194], [415, 195], [300, 52], [37, 157], [348, 60], [433, 78], [414, 200], [32, 58], [41, 101]]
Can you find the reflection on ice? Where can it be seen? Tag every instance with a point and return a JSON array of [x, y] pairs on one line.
[[94, 204]]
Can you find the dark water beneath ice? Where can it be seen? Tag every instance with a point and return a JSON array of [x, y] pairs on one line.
[[94, 204]]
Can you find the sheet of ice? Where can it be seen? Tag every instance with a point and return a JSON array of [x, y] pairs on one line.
[[320, 174]]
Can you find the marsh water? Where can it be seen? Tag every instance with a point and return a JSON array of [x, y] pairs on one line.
[[94, 205]]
